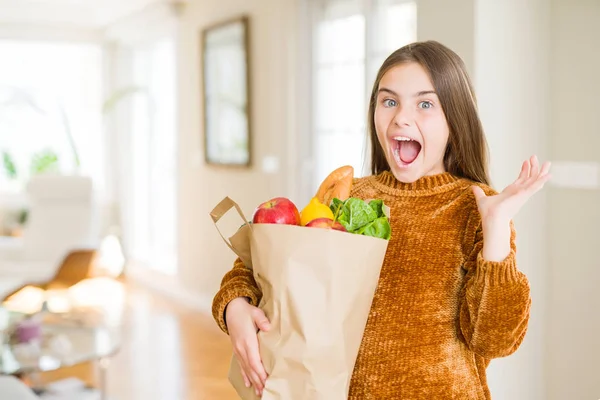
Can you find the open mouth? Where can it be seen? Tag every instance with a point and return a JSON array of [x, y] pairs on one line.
[[405, 150]]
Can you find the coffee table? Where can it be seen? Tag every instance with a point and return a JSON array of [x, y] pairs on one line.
[[80, 344]]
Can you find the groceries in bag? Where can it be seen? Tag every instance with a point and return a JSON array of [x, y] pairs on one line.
[[316, 297], [330, 208]]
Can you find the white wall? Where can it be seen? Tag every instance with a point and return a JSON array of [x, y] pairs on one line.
[[204, 258], [505, 48], [511, 74], [537, 69], [451, 23], [573, 329]]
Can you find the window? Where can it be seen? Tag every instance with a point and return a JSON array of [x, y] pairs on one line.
[[351, 38], [152, 193], [50, 105], [394, 25]]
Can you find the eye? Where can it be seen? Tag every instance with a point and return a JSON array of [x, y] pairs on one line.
[[390, 103], [425, 104]]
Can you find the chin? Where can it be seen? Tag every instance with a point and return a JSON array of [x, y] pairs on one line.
[[413, 172], [406, 176], [407, 173]]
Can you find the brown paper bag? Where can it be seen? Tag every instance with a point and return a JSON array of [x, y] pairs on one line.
[[317, 286]]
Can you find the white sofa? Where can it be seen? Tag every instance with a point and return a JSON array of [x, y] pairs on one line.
[[61, 219], [12, 388]]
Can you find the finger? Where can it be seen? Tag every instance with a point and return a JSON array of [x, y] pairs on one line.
[[478, 192], [535, 167], [539, 183], [534, 173], [527, 169], [256, 363], [524, 174], [255, 379], [258, 386], [244, 375], [545, 168], [260, 320], [533, 184], [536, 186]]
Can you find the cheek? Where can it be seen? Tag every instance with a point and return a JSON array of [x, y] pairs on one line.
[[435, 131], [381, 122]]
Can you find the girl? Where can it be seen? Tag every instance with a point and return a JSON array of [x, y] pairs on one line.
[[450, 296]]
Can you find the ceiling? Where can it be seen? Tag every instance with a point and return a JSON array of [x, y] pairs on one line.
[[73, 13]]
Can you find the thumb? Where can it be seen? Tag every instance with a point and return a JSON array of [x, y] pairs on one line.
[[479, 193], [260, 320]]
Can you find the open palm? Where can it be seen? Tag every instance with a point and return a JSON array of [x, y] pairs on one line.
[[505, 205]]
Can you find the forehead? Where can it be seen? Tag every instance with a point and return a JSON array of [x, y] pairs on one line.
[[406, 78]]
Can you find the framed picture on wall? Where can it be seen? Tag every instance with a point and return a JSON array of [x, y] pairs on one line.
[[226, 93]]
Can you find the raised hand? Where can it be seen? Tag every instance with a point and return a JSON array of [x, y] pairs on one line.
[[498, 210], [505, 205]]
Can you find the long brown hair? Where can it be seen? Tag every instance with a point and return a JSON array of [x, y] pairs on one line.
[[466, 153]]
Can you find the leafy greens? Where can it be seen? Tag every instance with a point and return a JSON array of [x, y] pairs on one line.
[[362, 218]]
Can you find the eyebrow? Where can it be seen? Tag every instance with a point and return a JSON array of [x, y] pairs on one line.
[[418, 94]]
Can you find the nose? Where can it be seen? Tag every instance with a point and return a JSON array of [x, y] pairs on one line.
[[403, 116]]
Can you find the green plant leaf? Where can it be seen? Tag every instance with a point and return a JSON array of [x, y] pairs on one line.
[[377, 206], [380, 228], [110, 103], [9, 165], [44, 161], [361, 218], [23, 216], [355, 214]]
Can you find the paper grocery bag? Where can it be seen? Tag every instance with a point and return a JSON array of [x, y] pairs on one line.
[[317, 286], [240, 242]]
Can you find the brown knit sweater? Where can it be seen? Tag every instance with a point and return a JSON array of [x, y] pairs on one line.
[[440, 312]]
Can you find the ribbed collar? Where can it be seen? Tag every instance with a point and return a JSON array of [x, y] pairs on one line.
[[424, 185]]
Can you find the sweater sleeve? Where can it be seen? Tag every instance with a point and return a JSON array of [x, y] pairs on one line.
[[238, 282], [494, 302]]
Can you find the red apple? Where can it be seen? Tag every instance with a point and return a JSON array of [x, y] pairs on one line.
[[279, 210], [327, 224]]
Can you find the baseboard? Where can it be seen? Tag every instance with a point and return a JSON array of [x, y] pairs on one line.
[[170, 287]]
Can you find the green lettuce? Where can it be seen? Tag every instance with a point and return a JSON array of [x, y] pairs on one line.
[[362, 218], [377, 206], [379, 228]]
